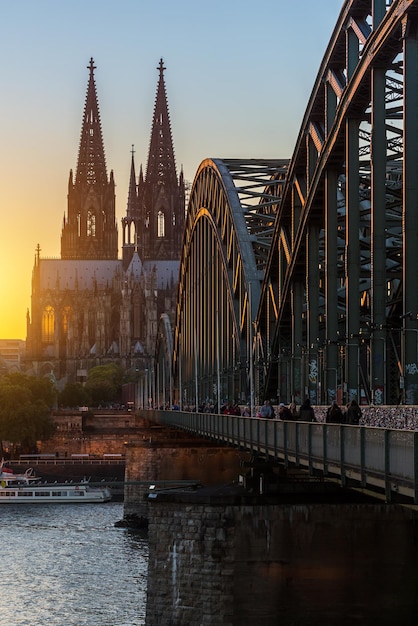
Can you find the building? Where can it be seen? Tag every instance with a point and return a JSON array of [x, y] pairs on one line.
[[12, 355], [90, 306]]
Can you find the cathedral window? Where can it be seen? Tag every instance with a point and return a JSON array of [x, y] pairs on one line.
[[48, 323], [66, 316], [161, 224], [92, 326], [91, 224]]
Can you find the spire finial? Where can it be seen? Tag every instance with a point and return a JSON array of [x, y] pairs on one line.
[[161, 67], [91, 67], [132, 150]]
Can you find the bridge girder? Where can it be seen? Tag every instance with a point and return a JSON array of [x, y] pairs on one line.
[[339, 308], [228, 232], [299, 279]]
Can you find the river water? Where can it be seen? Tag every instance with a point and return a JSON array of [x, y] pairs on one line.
[[67, 565]]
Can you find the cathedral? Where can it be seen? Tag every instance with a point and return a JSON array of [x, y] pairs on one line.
[[90, 306]]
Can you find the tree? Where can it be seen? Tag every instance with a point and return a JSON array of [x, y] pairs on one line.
[[74, 395], [104, 383], [25, 409]]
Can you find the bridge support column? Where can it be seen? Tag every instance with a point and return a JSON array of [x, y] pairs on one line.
[[298, 392], [312, 312], [331, 284], [410, 212], [352, 256], [378, 232]]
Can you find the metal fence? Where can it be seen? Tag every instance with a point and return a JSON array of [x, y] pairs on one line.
[[384, 460]]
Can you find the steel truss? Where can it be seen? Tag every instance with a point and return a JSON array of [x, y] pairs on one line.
[[228, 233], [299, 279], [338, 314]]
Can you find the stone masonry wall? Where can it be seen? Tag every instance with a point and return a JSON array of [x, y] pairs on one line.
[[316, 564], [205, 464]]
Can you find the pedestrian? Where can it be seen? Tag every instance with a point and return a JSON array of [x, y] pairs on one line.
[[284, 412], [228, 408], [306, 412], [267, 411], [294, 410], [334, 414], [354, 413], [236, 409]]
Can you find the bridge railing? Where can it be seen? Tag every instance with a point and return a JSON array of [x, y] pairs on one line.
[[384, 460]]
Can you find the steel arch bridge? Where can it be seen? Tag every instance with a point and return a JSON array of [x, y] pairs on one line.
[[300, 278], [227, 238]]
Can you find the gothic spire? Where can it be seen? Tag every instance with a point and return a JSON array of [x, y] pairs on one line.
[[91, 167], [132, 192], [161, 166], [90, 230]]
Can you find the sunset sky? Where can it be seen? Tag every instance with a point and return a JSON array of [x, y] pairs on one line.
[[238, 78]]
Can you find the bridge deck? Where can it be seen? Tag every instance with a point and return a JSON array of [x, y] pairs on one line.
[[383, 460]]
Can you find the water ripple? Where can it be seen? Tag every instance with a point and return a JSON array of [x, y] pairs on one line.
[[67, 565]]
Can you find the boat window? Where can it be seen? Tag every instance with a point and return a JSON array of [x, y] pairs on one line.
[[59, 493], [79, 493], [7, 493], [25, 493], [42, 493]]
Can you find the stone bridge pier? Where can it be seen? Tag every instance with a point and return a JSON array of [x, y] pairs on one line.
[[166, 458], [219, 558], [278, 547]]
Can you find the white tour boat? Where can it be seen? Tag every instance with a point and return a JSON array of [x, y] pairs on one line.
[[26, 488]]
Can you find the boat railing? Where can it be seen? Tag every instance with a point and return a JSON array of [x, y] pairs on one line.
[[65, 461]]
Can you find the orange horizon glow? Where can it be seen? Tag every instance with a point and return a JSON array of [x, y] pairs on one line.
[[43, 91]]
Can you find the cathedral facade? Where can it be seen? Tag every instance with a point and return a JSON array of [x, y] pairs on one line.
[[92, 305]]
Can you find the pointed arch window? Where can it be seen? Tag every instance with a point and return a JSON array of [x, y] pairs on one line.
[[91, 224], [48, 324], [66, 317], [160, 224]]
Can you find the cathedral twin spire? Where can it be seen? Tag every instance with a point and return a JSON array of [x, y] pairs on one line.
[[154, 221], [155, 211], [90, 229], [161, 166], [91, 167]]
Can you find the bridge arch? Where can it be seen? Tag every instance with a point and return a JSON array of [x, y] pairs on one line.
[[338, 311], [163, 364], [228, 231]]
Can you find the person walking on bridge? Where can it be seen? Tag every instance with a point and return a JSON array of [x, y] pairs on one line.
[[334, 414], [306, 412], [354, 413], [267, 411]]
